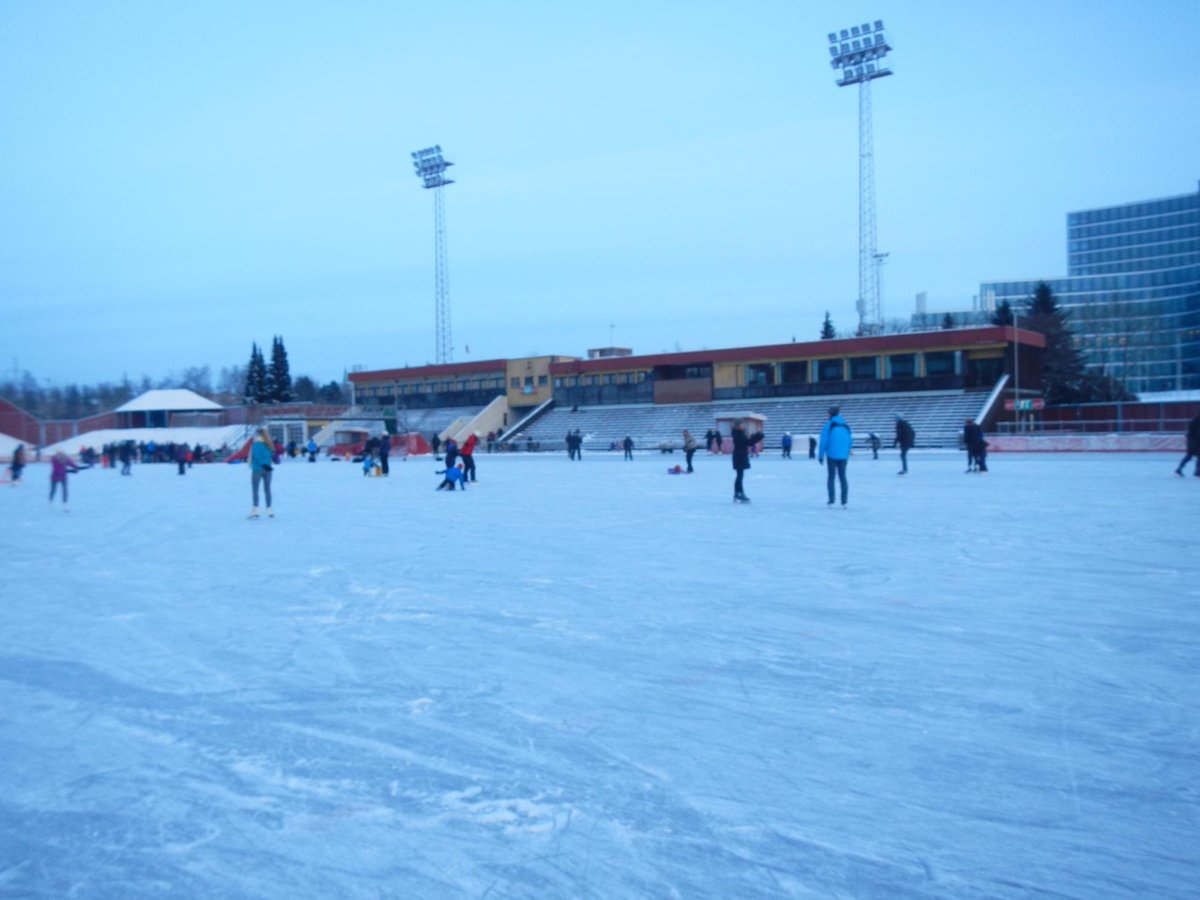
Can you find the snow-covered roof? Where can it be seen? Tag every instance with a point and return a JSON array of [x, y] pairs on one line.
[[178, 400], [8, 444]]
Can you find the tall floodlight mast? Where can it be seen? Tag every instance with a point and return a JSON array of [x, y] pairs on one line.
[[858, 53], [431, 169]]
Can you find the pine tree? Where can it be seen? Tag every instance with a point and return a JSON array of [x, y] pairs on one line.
[[1062, 366], [256, 377], [948, 321], [1003, 314], [280, 378], [827, 331]]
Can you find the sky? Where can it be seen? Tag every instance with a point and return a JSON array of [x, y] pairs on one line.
[[930, 694], [179, 181]]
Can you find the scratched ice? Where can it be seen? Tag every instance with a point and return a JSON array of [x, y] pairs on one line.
[[599, 680]]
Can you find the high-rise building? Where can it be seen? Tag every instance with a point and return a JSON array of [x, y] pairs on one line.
[[1132, 291]]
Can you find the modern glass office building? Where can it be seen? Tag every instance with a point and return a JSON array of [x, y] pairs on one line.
[[1132, 291]]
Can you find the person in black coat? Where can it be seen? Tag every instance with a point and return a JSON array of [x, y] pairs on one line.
[[976, 447], [742, 443], [905, 438], [1193, 447], [385, 449]]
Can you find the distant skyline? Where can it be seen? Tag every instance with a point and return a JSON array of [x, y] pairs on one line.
[[179, 181]]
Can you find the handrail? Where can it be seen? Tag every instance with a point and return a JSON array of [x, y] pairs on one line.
[[990, 402]]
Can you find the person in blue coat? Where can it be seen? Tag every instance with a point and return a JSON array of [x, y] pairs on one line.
[[262, 464], [454, 476], [834, 445]]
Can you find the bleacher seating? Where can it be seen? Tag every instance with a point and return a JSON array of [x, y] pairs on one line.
[[937, 417]]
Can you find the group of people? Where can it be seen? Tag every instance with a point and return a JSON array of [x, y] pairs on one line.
[[836, 441]]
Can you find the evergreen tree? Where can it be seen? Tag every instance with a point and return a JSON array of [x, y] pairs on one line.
[[1062, 366], [304, 389], [256, 377], [948, 321], [1003, 314], [332, 394], [827, 331], [280, 377]]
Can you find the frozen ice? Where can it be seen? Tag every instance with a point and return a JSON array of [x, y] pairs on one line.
[[597, 680]]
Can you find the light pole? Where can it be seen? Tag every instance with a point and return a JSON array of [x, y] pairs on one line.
[[880, 258], [858, 52], [430, 168]]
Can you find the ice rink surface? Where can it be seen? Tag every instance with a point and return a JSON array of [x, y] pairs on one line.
[[599, 680]]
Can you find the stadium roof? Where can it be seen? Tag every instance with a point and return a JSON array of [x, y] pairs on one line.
[[169, 401]]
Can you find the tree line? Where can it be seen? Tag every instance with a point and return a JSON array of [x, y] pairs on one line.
[[255, 382]]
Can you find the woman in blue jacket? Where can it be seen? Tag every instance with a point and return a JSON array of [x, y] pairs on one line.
[[835, 444], [262, 465]]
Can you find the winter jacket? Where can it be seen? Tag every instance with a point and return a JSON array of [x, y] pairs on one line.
[[1193, 436], [835, 441], [60, 465], [742, 443], [468, 446], [262, 457], [905, 436]]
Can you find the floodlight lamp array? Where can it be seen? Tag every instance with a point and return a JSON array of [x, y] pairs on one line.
[[857, 52], [430, 165]]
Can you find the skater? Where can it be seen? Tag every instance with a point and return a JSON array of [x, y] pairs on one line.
[[578, 438], [385, 450], [689, 448], [836, 441], [436, 445], [976, 447], [262, 466], [786, 445], [569, 440], [905, 438], [628, 445], [181, 458], [17, 464], [741, 457], [467, 454], [454, 475], [126, 453], [1193, 448], [60, 465], [874, 442], [812, 447], [451, 448], [312, 450]]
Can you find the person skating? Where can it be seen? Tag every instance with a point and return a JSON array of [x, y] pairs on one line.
[[453, 476], [60, 466], [628, 445], [690, 445], [467, 455], [385, 450], [836, 441], [312, 450], [1193, 447], [17, 464], [786, 445], [262, 467], [976, 447], [905, 438], [874, 443], [450, 448], [742, 443]]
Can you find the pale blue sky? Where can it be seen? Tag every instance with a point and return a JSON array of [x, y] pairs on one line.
[[178, 180]]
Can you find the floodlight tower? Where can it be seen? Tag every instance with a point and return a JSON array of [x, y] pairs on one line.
[[858, 52], [430, 167]]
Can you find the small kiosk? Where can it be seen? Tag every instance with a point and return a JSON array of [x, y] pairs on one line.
[[752, 422]]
